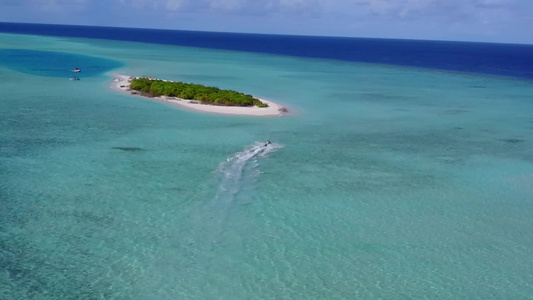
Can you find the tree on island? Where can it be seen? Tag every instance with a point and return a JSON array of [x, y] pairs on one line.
[[205, 94]]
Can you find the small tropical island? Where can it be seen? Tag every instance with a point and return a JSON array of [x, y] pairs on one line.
[[198, 97], [190, 91]]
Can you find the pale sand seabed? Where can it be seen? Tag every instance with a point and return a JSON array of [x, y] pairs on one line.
[[121, 83], [389, 186]]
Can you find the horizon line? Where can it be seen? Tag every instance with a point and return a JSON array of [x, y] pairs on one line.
[[277, 34]]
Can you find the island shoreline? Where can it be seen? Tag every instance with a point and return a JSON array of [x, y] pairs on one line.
[[121, 83]]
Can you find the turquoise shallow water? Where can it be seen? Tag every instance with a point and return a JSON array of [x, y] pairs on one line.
[[389, 183]]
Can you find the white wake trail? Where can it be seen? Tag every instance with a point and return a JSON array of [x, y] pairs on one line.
[[232, 170], [232, 175]]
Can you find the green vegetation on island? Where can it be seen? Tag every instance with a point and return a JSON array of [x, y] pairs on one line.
[[204, 94]]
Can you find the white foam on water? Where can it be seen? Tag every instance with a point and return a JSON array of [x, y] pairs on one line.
[[231, 176], [232, 170]]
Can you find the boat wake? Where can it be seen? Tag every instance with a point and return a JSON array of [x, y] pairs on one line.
[[243, 163], [234, 180]]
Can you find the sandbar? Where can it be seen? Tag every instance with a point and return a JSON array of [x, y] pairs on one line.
[[121, 83]]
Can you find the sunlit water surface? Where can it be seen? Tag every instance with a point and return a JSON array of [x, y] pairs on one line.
[[385, 182]]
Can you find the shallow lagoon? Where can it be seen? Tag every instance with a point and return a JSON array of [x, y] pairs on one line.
[[387, 182]]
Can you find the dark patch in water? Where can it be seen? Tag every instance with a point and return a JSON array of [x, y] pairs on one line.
[[477, 86], [455, 111], [130, 149], [512, 141], [458, 128], [88, 216], [176, 189], [379, 96]]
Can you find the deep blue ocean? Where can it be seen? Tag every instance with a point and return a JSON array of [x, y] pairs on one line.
[[485, 58]]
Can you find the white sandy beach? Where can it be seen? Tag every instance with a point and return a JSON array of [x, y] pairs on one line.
[[121, 83]]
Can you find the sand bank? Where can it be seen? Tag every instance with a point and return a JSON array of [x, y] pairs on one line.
[[121, 83]]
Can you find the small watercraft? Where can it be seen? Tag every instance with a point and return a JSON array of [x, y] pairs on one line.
[[76, 70], [74, 78]]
